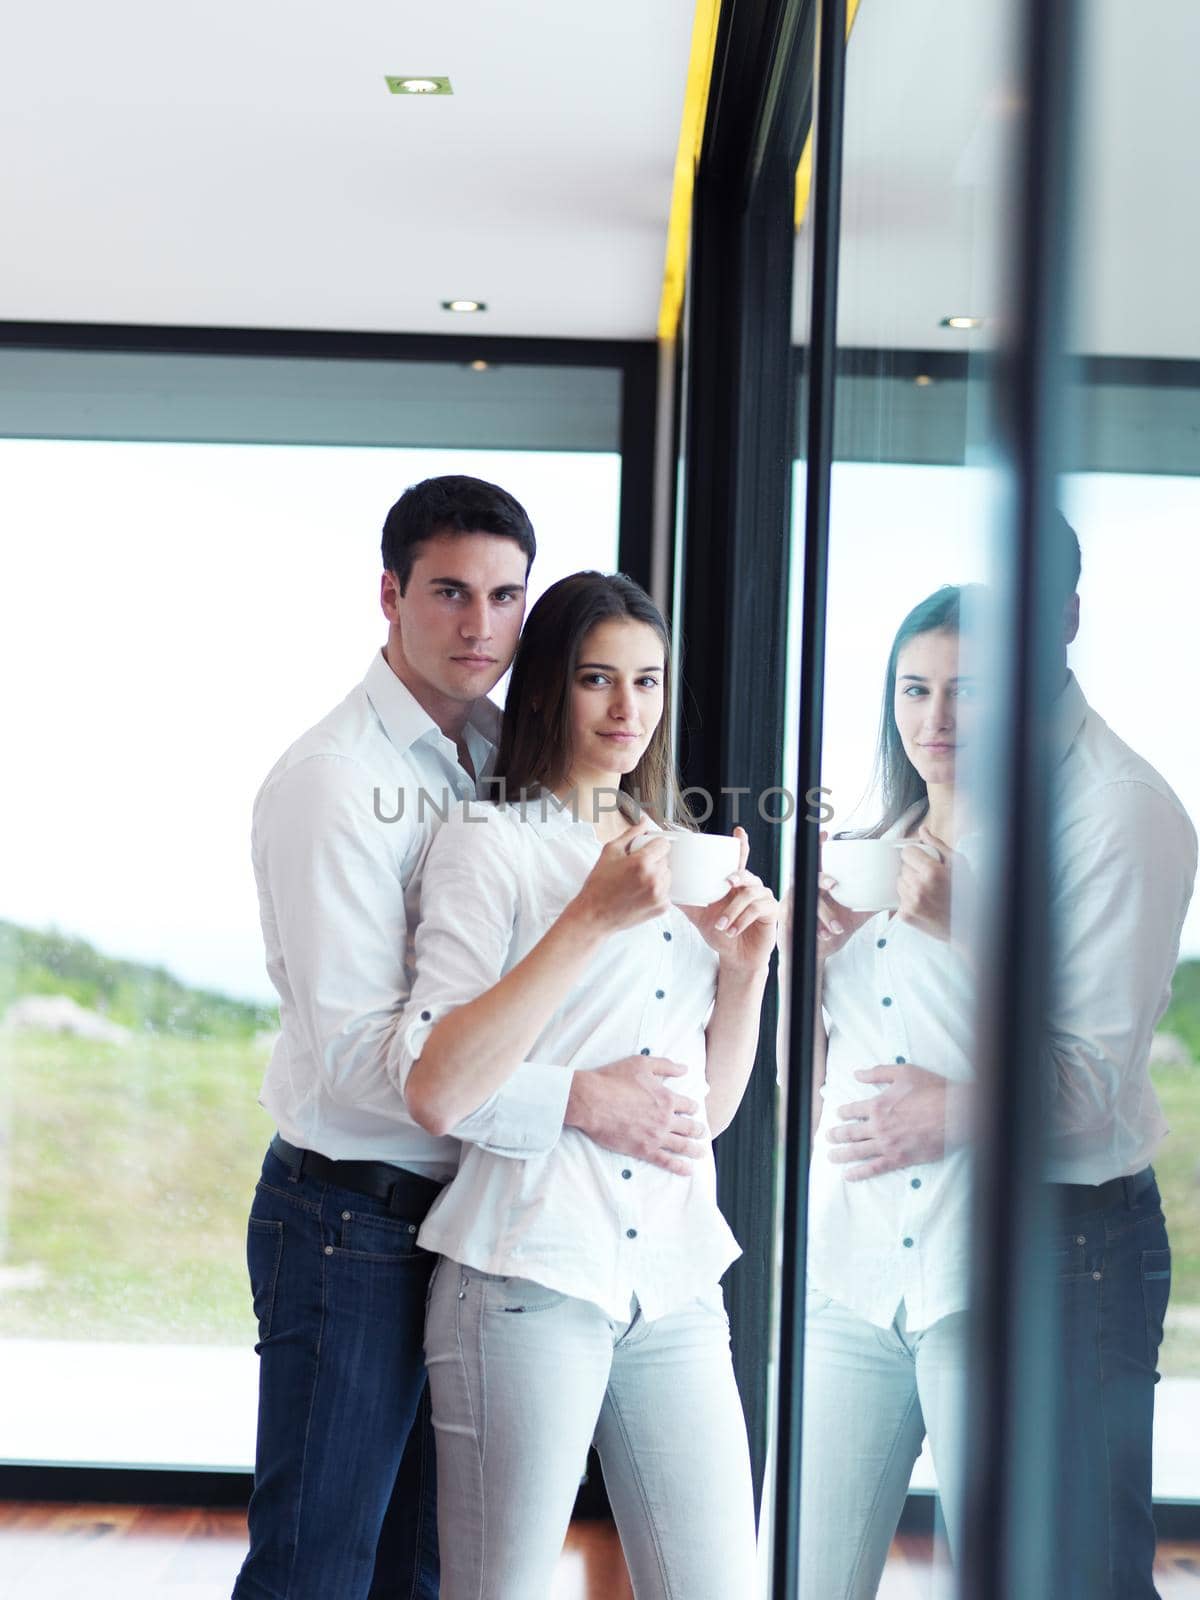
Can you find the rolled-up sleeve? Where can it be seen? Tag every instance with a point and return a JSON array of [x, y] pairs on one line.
[[1123, 870], [469, 901]]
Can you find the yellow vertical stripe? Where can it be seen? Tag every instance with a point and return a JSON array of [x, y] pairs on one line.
[[687, 157], [804, 170]]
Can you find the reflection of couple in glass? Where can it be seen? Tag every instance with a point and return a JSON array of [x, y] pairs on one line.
[[889, 1217], [532, 1111]]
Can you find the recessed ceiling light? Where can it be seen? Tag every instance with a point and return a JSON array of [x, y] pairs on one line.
[[398, 85], [463, 305], [923, 380], [479, 366], [966, 323]]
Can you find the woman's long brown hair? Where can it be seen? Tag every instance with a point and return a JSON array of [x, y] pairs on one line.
[[535, 754]]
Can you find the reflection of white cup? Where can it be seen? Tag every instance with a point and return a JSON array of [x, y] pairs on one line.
[[700, 864], [866, 871]]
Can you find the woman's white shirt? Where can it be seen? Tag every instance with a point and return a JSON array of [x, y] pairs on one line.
[[893, 994], [579, 1219], [1122, 867]]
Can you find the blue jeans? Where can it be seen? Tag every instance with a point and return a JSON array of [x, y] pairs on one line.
[[344, 1504], [1114, 1271]]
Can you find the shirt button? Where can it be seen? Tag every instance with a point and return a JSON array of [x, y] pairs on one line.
[[645, 1050], [1080, 1238], [625, 1172], [426, 1016], [908, 1244], [345, 1216], [660, 994], [916, 1183], [328, 1249], [631, 1233], [887, 1000], [900, 1060], [667, 937], [879, 943]]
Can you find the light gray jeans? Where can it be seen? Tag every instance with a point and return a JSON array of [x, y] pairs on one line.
[[870, 1395], [522, 1378]]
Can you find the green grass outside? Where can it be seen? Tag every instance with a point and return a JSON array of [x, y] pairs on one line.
[[1177, 1166], [132, 1169], [131, 1172]]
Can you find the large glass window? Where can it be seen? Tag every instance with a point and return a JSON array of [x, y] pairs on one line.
[[927, 587], [175, 613], [1133, 498], [909, 682]]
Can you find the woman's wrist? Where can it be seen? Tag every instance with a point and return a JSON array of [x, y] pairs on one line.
[[735, 974], [579, 926]]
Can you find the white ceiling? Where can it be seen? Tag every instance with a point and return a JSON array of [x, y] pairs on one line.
[[244, 165], [931, 117]]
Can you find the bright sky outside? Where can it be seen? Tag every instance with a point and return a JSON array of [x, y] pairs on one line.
[[898, 532], [174, 615]]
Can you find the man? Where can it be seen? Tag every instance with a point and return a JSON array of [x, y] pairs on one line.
[[1123, 864], [343, 1503]]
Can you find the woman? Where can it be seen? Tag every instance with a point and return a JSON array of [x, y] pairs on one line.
[[888, 1249], [579, 1292]]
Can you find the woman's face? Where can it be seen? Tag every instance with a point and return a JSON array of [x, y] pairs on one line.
[[934, 708], [616, 698]]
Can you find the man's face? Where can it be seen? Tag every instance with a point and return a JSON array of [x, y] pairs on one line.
[[460, 615]]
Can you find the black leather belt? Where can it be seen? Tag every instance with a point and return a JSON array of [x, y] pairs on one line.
[[1076, 1198], [405, 1193]]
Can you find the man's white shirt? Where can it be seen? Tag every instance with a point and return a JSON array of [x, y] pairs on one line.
[[339, 888], [1123, 863]]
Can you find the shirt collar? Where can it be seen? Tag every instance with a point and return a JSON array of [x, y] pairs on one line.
[[903, 823], [1067, 716], [405, 719], [548, 815]]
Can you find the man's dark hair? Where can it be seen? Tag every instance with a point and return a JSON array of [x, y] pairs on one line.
[[453, 504], [1068, 560]]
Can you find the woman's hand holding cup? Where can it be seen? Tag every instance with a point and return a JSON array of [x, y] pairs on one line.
[[629, 884], [741, 926], [835, 922], [928, 868]]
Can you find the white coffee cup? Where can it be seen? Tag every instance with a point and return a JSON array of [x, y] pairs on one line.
[[700, 864], [866, 871]]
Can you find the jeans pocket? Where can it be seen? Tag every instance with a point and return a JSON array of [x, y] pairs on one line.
[[815, 1302], [264, 1250], [1156, 1291], [511, 1295], [367, 1234], [1067, 1255]]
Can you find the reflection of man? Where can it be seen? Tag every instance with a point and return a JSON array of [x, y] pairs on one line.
[[343, 1503], [1123, 866]]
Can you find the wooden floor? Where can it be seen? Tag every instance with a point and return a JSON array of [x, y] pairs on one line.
[[95, 1552]]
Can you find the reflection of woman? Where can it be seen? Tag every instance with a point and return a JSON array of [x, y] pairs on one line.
[[887, 1270], [579, 1291]]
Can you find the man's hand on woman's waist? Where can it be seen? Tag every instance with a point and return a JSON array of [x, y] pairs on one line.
[[917, 1117], [628, 1107]]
